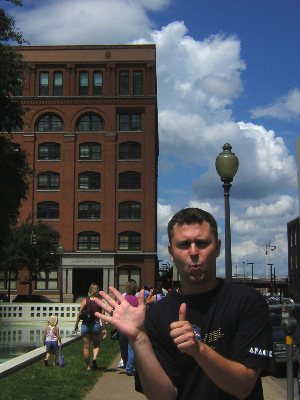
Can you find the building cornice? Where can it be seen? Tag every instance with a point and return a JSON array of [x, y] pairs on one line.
[[84, 101]]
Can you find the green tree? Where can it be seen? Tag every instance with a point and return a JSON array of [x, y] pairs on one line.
[[14, 171], [31, 246], [11, 68], [14, 180]]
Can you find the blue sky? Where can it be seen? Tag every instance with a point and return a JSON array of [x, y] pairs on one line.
[[228, 71]]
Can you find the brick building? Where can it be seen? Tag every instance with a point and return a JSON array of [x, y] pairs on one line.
[[293, 232], [90, 131]]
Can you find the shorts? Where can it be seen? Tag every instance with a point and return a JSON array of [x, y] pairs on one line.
[[94, 328], [51, 346]]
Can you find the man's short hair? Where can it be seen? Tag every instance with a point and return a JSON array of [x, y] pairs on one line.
[[190, 216]]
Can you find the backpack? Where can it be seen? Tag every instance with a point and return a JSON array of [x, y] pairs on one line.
[[87, 315]]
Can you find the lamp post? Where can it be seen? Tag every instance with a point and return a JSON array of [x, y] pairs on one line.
[[60, 252], [227, 165]]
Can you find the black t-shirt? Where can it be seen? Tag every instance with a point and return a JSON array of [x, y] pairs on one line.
[[233, 320]]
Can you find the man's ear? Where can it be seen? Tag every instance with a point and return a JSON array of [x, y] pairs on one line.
[[170, 251], [218, 247]]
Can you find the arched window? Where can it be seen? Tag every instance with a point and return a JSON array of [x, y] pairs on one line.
[[129, 241], [130, 151], [49, 151], [48, 210], [50, 123], [130, 180], [48, 181], [129, 210], [90, 151], [89, 180], [90, 123], [89, 210], [88, 241]]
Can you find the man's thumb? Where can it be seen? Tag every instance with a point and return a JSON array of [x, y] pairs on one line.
[[182, 312]]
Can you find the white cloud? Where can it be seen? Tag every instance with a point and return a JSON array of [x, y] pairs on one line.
[[164, 214], [285, 108], [265, 166], [88, 22], [212, 209], [285, 205], [197, 75]]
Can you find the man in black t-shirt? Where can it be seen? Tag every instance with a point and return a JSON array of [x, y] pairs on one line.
[[211, 340]]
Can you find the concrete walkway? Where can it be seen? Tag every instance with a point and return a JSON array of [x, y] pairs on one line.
[[116, 385]]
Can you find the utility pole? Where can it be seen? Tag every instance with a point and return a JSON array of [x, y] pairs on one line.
[[251, 263], [271, 277]]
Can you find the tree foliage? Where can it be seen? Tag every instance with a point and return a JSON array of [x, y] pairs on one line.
[[14, 170], [11, 67], [14, 181], [31, 246]]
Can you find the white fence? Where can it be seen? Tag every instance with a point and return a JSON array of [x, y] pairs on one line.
[[37, 312]]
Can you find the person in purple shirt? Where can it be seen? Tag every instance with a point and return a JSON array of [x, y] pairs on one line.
[[130, 296]]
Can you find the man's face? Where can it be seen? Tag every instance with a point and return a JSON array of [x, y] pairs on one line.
[[194, 250]]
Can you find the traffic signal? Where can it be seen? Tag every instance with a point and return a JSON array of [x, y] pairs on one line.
[[33, 239]]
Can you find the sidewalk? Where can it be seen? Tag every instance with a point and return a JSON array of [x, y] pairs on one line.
[[273, 391], [116, 385]]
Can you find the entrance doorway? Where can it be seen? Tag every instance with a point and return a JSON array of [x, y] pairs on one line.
[[82, 278]]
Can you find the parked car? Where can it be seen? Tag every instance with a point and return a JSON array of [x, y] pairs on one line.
[[31, 298], [3, 298], [277, 313]]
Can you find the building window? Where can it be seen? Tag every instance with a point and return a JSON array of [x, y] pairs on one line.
[[50, 123], [127, 273], [89, 180], [57, 83], [130, 180], [48, 210], [47, 280], [49, 151], [130, 122], [44, 84], [83, 83], [90, 123], [8, 279], [129, 241], [90, 151], [124, 83], [88, 241], [48, 181], [89, 210], [97, 83], [130, 210], [130, 151], [138, 83]]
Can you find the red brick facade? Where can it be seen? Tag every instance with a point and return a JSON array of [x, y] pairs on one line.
[[95, 159]]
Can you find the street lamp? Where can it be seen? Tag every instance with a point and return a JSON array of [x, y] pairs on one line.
[[60, 252], [227, 165]]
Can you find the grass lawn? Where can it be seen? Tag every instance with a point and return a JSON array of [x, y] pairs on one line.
[[70, 382]]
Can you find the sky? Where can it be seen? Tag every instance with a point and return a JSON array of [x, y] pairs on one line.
[[227, 72]]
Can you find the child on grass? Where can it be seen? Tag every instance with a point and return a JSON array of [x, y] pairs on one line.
[[51, 339]]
